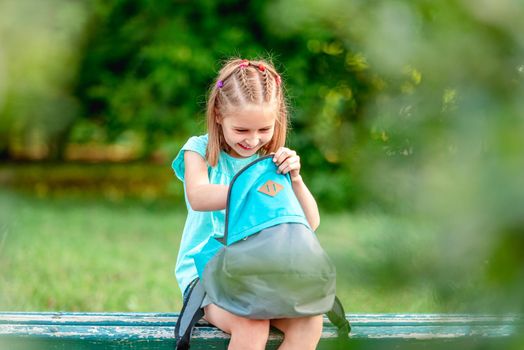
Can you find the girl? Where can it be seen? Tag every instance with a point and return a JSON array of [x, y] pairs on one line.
[[246, 118]]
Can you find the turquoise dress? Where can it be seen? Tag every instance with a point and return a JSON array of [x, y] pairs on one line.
[[201, 225]]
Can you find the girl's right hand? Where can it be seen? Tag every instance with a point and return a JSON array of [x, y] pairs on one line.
[[287, 161]]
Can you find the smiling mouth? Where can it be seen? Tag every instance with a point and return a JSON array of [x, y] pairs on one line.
[[245, 147]]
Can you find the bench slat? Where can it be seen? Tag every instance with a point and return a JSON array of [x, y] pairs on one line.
[[169, 319], [155, 330]]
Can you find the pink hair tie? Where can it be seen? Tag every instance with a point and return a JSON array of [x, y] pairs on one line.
[[261, 67], [220, 83], [244, 64]]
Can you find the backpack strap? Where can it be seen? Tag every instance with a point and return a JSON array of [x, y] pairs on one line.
[[191, 313], [337, 316]]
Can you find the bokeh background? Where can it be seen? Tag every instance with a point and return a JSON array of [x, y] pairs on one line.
[[408, 116]]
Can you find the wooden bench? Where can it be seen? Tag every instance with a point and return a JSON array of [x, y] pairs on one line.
[[29, 330]]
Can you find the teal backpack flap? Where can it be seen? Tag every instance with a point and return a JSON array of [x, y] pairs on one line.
[[272, 265], [259, 197]]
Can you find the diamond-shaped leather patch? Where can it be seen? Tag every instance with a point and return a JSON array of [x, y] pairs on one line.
[[271, 188]]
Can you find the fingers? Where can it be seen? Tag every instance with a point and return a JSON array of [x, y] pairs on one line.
[[282, 154], [290, 164], [287, 160]]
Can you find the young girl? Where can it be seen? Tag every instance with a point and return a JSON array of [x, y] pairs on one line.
[[246, 118]]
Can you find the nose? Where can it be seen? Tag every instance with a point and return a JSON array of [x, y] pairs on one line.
[[252, 141]]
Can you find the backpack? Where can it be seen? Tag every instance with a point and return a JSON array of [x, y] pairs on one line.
[[269, 263]]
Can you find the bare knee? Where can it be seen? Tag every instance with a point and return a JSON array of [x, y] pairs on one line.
[[249, 334], [300, 333], [306, 328], [245, 333]]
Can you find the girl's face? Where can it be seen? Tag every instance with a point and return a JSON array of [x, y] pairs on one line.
[[248, 129]]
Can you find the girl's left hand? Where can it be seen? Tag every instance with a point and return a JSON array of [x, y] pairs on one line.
[[287, 161]]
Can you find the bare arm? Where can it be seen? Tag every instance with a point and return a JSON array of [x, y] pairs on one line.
[[307, 201], [202, 195]]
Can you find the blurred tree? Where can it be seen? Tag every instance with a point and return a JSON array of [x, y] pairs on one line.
[[144, 70], [38, 60], [148, 64], [441, 138]]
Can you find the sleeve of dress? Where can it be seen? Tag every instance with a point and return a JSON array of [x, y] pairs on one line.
[[196, 144]]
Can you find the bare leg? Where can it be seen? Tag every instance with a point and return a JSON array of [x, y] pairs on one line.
[[301, 333], [246, 334]]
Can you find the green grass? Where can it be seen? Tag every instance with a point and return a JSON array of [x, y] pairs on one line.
[[88, 255], [75, 254]]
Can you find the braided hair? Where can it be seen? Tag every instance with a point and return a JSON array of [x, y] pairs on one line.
[[241, 83]]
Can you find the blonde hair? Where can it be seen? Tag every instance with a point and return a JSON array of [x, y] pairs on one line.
[[239, 83]]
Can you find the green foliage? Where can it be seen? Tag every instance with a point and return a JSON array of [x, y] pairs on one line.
[[438, 139], [147, 67], [135, 182], [38, 62], [148, 64]]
